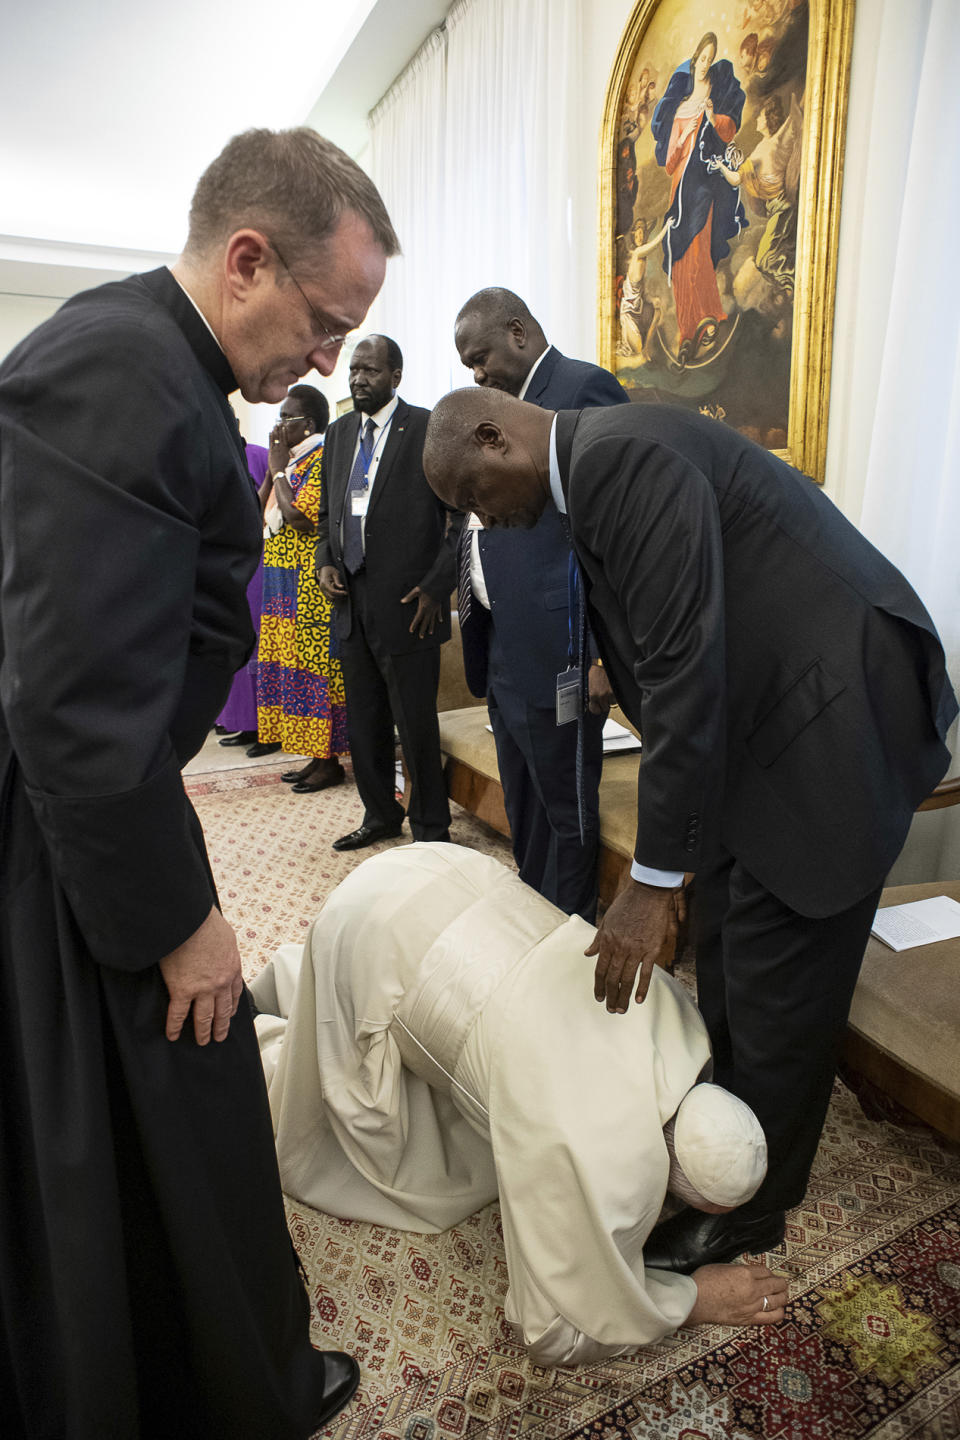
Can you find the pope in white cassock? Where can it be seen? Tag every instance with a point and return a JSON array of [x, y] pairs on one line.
[[434, 1044]]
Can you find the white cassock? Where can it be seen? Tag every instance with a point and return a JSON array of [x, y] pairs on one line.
[[436, 1043]]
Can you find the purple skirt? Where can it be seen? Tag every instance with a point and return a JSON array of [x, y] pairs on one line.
[[240, 711]]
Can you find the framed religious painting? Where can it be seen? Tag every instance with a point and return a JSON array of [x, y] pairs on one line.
[[720, 177]]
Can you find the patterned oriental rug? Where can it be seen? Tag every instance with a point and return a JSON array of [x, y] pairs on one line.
[[871, 1343]]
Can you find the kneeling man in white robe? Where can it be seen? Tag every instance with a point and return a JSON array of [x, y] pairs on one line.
[[432, 1046]]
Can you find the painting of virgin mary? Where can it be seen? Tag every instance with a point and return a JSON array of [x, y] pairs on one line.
[[693, 126]]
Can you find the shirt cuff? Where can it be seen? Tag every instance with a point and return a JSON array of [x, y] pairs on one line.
[[669, 879]]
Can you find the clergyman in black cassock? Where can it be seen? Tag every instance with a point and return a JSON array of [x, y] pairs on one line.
[[148, 1285]]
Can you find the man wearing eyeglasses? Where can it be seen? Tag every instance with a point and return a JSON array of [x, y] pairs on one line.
[[144, 1255]]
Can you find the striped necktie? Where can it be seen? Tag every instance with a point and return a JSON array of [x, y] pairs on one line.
[[464, 587]]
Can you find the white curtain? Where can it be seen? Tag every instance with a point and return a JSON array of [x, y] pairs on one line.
[[407, 161], [911, 498], [911, 503], [472, 150]]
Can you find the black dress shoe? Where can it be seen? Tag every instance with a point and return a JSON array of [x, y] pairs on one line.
[[242, 737], [323, 781], [294, 777], [691, 1239], [263, 747], [367, 835], [341, 1376]]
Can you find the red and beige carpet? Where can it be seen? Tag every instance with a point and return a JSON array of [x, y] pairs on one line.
[[871, 1343]]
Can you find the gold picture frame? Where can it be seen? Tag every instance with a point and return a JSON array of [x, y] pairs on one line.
[[721, 165]]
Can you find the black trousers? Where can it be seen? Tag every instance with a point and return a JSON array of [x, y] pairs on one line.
[[537, 761], [774, 988], [383, 690]]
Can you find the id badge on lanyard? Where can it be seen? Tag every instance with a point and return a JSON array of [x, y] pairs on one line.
[[569, 695]]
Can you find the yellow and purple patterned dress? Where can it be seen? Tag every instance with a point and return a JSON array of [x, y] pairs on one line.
[[300, 695]]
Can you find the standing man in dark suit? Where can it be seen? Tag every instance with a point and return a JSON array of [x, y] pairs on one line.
[[515, 620], [384, 556], [793, 700]]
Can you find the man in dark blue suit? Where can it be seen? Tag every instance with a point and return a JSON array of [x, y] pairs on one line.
[[515, 620]]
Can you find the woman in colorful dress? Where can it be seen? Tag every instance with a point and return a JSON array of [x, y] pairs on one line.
[[300, 695]]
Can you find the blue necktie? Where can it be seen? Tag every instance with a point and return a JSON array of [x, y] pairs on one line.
[[578, 656], [353, 524]]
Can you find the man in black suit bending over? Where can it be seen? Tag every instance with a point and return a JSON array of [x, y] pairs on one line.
[[386, 560], [793, 699], [515, 620]]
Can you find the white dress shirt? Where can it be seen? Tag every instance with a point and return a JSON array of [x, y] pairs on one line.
[[382, 420], [477, 583]]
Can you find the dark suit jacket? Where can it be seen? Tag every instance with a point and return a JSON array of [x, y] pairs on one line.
[[406, 538], [526, 570], [789, 684]]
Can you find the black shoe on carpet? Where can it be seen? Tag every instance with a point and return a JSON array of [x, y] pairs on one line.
[[263, 748], [341, 1376], [321, 780], [242, 737], [367, 835], [691, 1239]]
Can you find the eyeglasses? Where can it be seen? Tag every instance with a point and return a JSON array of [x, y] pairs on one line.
[[329, 341], [291, 419]]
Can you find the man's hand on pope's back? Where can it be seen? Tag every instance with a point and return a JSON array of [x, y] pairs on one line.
[[204, 972], [640, 927]]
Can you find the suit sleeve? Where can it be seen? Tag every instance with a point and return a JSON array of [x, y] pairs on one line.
[[599, 387], [441, 578], [650, 519], [104, 468]]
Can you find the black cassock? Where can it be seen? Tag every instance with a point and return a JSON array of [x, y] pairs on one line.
[[147, 1281]]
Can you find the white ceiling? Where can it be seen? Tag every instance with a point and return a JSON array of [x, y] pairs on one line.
[[108, 114]]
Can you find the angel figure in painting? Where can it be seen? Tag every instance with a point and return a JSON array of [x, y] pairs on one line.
[[640, 315], [771, 177], [694, 122]]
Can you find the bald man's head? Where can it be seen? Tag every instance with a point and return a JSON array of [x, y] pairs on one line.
[[489, 453]]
